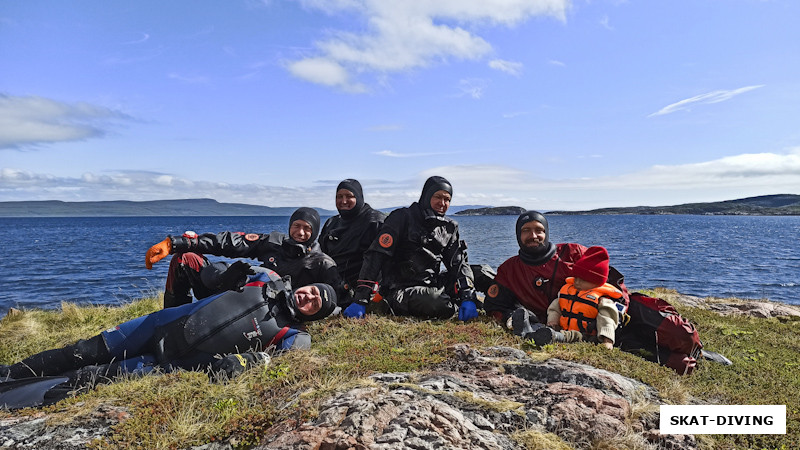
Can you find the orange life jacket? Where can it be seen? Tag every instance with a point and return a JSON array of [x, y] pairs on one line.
[[579, 308]]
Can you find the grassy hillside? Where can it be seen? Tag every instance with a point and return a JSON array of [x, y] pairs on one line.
[[185, 409]]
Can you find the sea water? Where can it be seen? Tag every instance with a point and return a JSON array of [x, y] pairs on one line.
[[100, 260]]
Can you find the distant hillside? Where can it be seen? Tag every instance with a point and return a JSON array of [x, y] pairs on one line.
[[765, 205], [187, 207], [454, 210], [493, 211]]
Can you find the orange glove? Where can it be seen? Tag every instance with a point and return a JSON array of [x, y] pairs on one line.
[[157, 252]]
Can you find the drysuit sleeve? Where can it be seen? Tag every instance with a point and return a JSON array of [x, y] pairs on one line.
[[384, 246], [329, 274], [227, 243], [294, 339], [500, 302], [458, 269]]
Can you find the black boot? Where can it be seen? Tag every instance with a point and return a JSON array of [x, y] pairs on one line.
[[60, 360], [524, 323], [547, 335]]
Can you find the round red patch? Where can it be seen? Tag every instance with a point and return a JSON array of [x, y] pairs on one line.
[[386, 240], [493, 291], [251, 237]]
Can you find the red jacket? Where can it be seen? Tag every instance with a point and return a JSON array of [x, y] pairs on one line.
[[534, 287]]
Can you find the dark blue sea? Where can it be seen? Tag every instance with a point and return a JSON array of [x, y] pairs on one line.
[[100, 260]]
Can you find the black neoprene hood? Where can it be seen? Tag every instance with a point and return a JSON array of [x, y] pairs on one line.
[[433, 185], [328, 295], [353, 186], [309, 215], [544, 251]]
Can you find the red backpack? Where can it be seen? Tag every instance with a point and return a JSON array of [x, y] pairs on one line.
[[660, 334]]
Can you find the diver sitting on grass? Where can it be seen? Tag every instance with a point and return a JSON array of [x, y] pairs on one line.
[[262, 315]]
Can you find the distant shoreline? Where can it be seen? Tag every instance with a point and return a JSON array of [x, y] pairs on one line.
[[767, 205]]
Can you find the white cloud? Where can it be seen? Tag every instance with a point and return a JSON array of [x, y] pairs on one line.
[[512, 115], [145, 37], [473, 88], [710, 97], [726, 178], [31, 121], [605, 23], [195, 79], [404, 35], [554, 62], [392, 154], [509, 67]]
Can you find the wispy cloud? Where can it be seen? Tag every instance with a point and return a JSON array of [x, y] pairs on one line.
[[512, 115], [392, 154], [606, 23], [193, 79], [554, 62], [710, 97], [388, 127], [406, 35], [145, 37], [490, 184], [141, 56], [509, 67], [472, 88], [31, 121]]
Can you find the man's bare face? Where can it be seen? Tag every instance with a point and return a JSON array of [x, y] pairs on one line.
[[308, 300], [532, 234]]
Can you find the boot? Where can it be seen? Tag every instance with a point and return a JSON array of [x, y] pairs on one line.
[[706, 354], [524, 323], [547, 335], [59, 360]]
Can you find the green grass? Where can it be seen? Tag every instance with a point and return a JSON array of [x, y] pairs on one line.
[[184, 409]]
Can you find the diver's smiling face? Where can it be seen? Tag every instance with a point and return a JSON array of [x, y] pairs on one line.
[[532, 234], [440, 201], [345, 200], [300, 231], [308, 300]]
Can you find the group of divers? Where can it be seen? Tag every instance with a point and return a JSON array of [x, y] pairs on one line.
[[226, 317]]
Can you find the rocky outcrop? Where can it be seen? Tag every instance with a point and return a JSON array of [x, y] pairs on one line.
[[37, 433], [482, 400], [727, 307], [493, 398]]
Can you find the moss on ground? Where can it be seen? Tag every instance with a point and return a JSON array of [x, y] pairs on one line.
[[185, 408]]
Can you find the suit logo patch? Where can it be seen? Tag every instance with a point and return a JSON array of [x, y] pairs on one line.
[[493, 291], [386, 240], [251, 237]]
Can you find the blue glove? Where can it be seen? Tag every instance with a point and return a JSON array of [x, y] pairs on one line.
[[467, 311], [356, 311]]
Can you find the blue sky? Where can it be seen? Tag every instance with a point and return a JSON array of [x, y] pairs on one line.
[[545, 104]]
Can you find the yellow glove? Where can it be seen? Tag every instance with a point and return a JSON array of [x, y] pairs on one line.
[[157, 252]]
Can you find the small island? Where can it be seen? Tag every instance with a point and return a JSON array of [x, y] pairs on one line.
[[493, 211]]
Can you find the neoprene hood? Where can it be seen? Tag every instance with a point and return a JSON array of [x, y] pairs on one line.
[[544, 251], [353, 186], [328, 295], [311, 216], [433, 185]]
